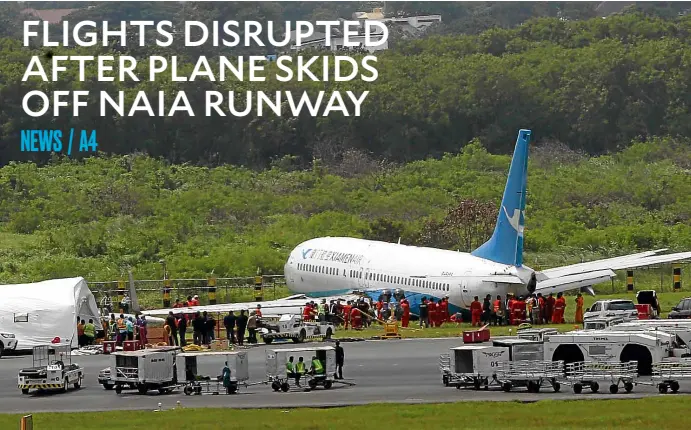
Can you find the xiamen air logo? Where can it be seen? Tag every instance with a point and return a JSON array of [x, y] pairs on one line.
[[305, 252], [515, 220]]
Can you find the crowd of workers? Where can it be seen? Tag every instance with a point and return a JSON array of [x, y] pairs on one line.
[[535, 309]]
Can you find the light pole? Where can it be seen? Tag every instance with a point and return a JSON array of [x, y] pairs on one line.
[[165, 273]]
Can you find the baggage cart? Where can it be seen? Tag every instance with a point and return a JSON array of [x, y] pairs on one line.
[[188, 370], [666, 375], [472, 366], [145, 369], [532, 374], [52, 370], [590, 373]]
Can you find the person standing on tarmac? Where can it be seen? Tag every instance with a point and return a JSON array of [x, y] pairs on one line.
[[252, 328], [182, 329], [170, 320], [475, 311], [424, 315], [241, 324], [578, 318], [299, 371], [340, 355], [229, 323]]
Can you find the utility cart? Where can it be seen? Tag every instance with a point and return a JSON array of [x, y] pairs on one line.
[[190, 363], [532, 374], [52, 369], [281, 379], [590, 373], [145, 369], [472, 365], [666, 375], [294, 327]]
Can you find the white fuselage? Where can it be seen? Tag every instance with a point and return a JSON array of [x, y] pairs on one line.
[[334, 265]]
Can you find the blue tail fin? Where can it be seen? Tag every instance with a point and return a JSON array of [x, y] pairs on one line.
[[506, 244]]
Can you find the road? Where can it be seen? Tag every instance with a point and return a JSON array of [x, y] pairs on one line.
[[401, 371]]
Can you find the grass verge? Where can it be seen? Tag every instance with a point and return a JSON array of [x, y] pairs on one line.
[[658, 412]]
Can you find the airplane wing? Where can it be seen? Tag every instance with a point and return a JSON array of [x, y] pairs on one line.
[[584, 275]]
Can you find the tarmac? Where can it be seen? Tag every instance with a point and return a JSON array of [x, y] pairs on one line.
[[385, 371]]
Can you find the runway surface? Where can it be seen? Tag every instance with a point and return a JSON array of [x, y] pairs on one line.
[[400, 371]]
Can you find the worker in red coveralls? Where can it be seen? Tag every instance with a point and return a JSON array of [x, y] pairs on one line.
[[475, 311], [559, 307], [307, 312], [432, 310], [406, 312], [518, 310], [549, 308], [356, 318], [346, 314], [509, 308], [380, 305]]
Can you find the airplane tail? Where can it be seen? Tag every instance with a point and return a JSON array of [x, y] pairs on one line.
[[506, 244]]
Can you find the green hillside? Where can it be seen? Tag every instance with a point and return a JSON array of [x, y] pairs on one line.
[[96, 217]]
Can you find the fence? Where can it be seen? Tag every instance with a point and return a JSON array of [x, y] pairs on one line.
[[157, 293]]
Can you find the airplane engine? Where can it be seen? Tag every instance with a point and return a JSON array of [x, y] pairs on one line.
[[398, 294], [532, 284]]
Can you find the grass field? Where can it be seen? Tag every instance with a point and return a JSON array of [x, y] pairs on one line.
[[657, 412]]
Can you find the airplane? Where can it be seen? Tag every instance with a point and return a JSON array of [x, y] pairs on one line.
[[328, 266]]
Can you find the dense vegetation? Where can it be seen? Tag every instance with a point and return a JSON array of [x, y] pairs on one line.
[[94, 218], [594, 85]]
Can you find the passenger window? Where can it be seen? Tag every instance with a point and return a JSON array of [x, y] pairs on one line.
[[687, 305]]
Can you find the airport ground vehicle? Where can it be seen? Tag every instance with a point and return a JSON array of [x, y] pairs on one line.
[[293, 327], [648, 306], [188, 371], [7, 342], [602, 323], [145, 369], [279, 377], [52, 369], [625, 309], [666, 375], [472, 365]]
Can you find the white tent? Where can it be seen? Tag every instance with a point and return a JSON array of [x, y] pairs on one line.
[[37, 313]]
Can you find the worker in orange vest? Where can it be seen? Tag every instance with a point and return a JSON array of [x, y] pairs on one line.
[[406, 313], [518, 310], [346, 314], [579, 309], [559, 307], [475, 311]]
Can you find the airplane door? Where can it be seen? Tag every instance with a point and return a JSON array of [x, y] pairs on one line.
[[466, 293], [363, 282]]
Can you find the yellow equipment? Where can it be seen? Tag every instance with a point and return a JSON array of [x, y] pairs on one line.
[[391, 331]]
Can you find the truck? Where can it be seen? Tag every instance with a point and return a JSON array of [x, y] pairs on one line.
[[8, 342], [625, 309], [52, 369], [293, 327]]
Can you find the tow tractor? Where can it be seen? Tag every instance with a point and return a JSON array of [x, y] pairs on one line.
[[52, 369], [280, 379], [293, 327]]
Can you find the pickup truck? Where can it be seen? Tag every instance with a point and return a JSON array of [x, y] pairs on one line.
[[622, 308]]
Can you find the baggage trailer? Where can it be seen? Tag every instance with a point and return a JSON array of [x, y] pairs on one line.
[[145, 369], [589, 374], [188, 371], [277, 373], [522, 349], [532, 374], [666, 375], [52, 369], [472, 366]]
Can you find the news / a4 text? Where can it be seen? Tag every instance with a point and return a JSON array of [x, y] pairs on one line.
[[52, 140]]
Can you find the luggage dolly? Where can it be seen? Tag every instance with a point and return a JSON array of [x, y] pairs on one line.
[[532, 374], [584, 374], [463, 380], [666, 375]]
